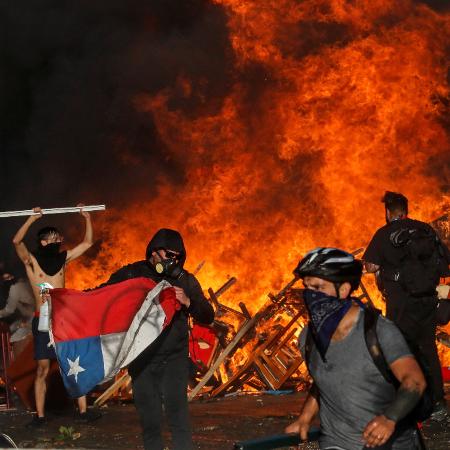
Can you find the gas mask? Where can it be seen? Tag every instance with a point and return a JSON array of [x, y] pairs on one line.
[[168, 267]]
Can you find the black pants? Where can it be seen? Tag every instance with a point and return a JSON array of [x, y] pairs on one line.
[[417, 322], [163, 386]]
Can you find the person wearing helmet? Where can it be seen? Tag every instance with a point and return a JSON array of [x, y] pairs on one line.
[[358, 408], [160, 373]]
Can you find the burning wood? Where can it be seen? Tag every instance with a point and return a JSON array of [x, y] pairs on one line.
[[272, 358], [443, 338], [264, 349], [256, 352], [442, 227]]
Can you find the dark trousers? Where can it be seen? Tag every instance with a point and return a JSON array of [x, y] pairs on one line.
[[418, 325], [161, 387]]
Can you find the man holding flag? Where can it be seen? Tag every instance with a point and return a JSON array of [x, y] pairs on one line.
[[138, 317]]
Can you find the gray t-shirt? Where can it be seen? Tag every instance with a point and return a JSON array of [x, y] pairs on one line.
[[352, 390]]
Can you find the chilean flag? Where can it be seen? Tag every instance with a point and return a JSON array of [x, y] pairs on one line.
[[98, 332]]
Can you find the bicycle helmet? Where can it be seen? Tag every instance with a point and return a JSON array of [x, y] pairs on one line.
[[331, 264]]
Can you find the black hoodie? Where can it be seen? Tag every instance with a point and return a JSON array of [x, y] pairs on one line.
[[169, 240], [173, 341]]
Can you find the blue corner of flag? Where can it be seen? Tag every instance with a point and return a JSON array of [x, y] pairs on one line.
[[81, 364]]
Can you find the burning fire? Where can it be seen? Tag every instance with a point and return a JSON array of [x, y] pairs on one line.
[[330, 104]]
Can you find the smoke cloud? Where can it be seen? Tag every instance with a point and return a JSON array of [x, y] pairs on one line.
[[70, 72]]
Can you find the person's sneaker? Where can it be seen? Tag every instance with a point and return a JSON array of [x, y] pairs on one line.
[[37, 422], [89, 416]]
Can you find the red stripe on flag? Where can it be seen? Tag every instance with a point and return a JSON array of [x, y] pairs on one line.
[[110, 309]]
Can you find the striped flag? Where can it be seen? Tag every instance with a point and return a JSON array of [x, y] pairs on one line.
[[98, 332]]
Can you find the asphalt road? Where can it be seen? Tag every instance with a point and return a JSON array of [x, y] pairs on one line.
[[217, 424]]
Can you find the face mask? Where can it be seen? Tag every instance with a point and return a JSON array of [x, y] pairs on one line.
[[325, 314], [50, 249], [168, 267], [49, 258]]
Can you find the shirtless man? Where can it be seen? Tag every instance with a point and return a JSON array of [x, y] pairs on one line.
[[48, 265]]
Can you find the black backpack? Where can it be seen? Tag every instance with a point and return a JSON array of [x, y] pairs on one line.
[[422, 263], [424, 408]]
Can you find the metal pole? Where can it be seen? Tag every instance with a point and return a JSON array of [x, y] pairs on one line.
[[70, 209]]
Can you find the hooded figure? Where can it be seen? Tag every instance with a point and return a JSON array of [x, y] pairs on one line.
[[166, 239], [160, 373], [169, 240]]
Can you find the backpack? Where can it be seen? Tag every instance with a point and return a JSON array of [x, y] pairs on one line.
[[424, 408], [422, 262]]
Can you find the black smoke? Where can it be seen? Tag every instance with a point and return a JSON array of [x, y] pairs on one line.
[[69, 74], [437, 5]]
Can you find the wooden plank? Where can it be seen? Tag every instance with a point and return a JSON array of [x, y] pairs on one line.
[[122, 381], [226, 286], [239, 377], [248, 325]]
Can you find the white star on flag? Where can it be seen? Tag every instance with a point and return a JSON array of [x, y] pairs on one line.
[[75, 368]]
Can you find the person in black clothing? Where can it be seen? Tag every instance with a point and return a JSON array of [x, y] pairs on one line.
[[160, 374], [415, 315]]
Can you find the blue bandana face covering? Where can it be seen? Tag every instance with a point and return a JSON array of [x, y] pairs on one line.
[[325, 314]]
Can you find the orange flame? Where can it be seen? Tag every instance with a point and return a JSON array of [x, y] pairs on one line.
[[331, 104]]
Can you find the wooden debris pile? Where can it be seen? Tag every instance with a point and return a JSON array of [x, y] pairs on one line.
[[262, 352]]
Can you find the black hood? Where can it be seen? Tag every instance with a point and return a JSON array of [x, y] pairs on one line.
[[169, 240]]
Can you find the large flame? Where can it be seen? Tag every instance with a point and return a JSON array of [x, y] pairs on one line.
[[332, 103]]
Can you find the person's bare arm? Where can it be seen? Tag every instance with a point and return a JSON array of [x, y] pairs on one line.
[[412, 384], [87, 241], [20, 246], [309, 411]]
